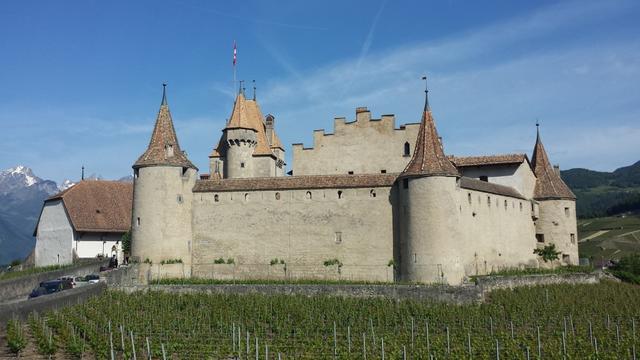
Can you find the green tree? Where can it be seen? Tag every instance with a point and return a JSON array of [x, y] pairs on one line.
[[547, 253], [126, 242]]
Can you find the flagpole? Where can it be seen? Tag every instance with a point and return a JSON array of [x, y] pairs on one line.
[[235, 51]]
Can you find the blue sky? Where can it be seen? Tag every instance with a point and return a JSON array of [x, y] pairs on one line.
[[81, 80]]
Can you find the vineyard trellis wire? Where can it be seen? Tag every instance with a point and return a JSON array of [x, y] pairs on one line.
[[548, 322]]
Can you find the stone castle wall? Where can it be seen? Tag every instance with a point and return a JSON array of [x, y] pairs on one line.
[[447, 232], [304, 228], [364, 146]]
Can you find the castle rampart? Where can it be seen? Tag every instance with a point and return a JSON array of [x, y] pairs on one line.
[[364, 146]]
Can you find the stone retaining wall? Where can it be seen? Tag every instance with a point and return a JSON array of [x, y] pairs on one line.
[[22, 309], [450, 294], [468, 293], [21, 287]]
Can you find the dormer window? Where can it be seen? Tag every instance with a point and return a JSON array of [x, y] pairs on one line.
[[168, 150]]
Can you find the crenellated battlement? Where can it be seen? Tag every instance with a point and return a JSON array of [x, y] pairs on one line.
[[365, 145]]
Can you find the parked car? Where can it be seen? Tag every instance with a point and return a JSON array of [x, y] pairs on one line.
[[69, 279], [92, 278], [49, 287]]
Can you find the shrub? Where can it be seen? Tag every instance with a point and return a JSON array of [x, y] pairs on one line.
[[332, 262], [171, 261], [218, 261], [628, 269], [547, 253]]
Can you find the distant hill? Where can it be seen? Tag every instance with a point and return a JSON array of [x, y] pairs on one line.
[[605, 193]]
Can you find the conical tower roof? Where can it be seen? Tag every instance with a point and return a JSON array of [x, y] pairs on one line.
[[164, 148], [428, 156], [549, 184]]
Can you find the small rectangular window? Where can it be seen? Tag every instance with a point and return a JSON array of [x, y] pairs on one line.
[[573, 238], [405, 183], [138, 222], [566, 211], [350, 172], [241, 164], [484, 178], [338, 237], [540, 238], [383, 171], [565, 258]]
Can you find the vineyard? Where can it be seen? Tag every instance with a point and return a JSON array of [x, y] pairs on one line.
[[545, 322]]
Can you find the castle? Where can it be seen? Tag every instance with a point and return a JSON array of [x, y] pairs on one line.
[[368, 202]]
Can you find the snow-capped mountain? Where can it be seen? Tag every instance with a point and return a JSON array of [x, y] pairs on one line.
[[21, 177], [66, 184]]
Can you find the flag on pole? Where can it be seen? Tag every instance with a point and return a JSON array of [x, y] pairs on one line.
[[235, 53]]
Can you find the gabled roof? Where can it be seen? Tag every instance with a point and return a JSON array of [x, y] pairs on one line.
[[98, 206], [163, 137], [428, 156], [549, 185], [502, 159]]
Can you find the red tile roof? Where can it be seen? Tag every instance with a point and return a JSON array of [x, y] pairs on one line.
[[98, 206], [503, 159], [164, 136], [428, 156], [296, 182], [549, 185]]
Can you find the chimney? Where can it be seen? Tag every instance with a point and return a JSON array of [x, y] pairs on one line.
[[362, 114], [268, 122], [556, 168]]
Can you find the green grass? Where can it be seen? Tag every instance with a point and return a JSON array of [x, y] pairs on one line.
[[35, 270], [540, 271]]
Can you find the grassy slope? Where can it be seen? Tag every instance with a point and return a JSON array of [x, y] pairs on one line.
[[616, 237]]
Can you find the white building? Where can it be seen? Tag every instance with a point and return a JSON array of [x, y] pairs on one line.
[[84, 221]]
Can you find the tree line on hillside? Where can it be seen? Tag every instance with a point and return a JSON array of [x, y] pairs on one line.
[[605, 193]]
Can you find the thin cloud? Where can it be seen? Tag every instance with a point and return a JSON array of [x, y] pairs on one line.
[[482, 106]]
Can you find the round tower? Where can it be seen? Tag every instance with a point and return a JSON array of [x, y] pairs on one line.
[[557, 221], [241, 138], [162, 199], [428, 212], [238, 162]]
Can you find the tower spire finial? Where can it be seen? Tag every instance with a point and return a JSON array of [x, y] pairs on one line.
[[164, 94], [254, 90], [82, 175], [241, 89], [537, 129], [426, 94]]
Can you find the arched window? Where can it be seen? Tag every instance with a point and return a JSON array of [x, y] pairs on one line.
[[308, 195], [277, 196], [469, 197], [339, 194], [407, 149], [246, 196], [372, 193], [216, 198]]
